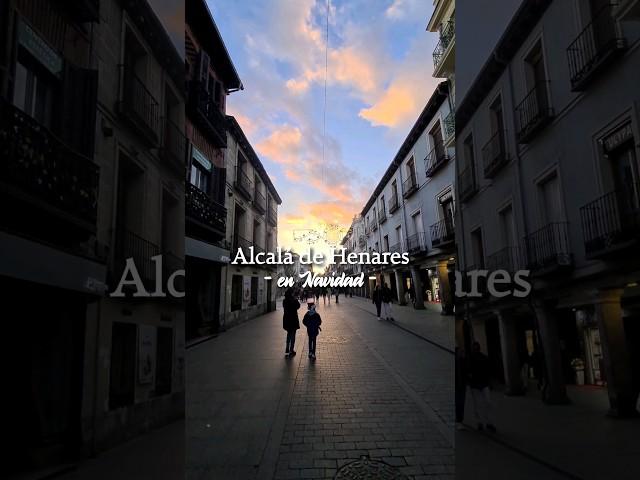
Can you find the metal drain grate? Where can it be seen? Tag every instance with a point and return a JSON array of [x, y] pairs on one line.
[[368, 469]]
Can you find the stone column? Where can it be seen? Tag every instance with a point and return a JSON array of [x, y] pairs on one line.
[[417, 287], [555, 392], [446, 298], [511, 360], [400, 287], [616, 355]]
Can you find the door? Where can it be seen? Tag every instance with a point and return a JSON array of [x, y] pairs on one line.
[[270, 303]]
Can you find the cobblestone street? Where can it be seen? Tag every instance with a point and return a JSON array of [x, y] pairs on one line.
[[251, 413]]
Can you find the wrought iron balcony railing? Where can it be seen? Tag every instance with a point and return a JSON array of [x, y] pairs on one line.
[[446, 36], [494, 153], [467, 186], [594, 47], [417, 243], [37, 167], [374, 226], [410, 185], [174, 145], [435, 159], [533, 112], [442, 232], [243, 183], [204, 211], [509, 258], [139, 105], [394, 204], [549, 247], [611, 222], [208, 113], [259, 201], [130, 245], [241, 243], [273, 214], [396, 248], [450, 124]]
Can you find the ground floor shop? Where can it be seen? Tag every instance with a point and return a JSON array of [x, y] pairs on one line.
[[248, 292]]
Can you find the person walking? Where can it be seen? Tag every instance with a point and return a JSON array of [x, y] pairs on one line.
[[478, 372], [312, 321], [386, 302], [377, 299], [337, 295], [324, 296], [290, 321], [329, 295]]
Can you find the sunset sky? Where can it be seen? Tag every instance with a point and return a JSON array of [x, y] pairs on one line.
[[379, 78]]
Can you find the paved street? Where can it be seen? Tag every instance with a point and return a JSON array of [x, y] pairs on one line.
[[254, 414]]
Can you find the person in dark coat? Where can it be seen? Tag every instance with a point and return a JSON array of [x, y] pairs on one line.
[[387, 296], [377, 299], [479, 379], [290, 321], [312, 321]]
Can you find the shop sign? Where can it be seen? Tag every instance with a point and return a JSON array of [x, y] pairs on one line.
[[39, 48], [617, 138], [199, 157]]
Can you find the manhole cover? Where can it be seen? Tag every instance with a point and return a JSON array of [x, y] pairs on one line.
[[334, 339], [366, 468]]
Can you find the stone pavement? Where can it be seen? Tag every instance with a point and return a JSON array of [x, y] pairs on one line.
[[251, 413]]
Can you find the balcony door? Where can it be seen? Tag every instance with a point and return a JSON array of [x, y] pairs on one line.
[[624, 165], [604, 27], [497, 125], [551, 210], [437, 141], [418, 229], [399, 237]]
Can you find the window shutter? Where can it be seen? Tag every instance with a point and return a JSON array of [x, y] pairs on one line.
[[204, 67]]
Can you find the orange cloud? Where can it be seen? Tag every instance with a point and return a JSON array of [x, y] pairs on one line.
[[283, 145], [396, 106]]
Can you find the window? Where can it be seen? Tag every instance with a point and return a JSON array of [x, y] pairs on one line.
[[507, 228], [496, 118], [34, 91], [199, 177], [254, 291], [411, 171], [550, 203], [236, 292], [382, 205], [437, 142], [394, 191], [468, 152], [386, 243]]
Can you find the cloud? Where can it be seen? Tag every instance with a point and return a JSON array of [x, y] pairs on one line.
[[283, 145], [401, 9]]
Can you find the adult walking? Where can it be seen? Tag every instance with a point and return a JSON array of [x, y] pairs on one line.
[[386, 302], [290, 321], [377, 299], [479, 371]]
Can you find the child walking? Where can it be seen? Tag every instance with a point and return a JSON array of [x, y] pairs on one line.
[[312, 321]]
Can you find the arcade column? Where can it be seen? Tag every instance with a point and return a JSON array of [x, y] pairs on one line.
[[555, 392]]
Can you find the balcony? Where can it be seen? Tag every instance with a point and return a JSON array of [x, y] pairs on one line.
[[548, 248], [509, 258], [241, 243], [382, 217], [417, 243], [594, 48], [394, 204], [611, 223], [442, 232], [174, 145], [362, 241], [259, 201], [43, 175], [139, 106], [443, 60], [272, 218], [467, 186], [410, 186], [208, 114], [533, 113], [243, 184], [130, 245], [435, 160], [203, 212], [374, 226], [396, 248], [494, 154]]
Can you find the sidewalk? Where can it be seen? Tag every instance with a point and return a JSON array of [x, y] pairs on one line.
[[427, 323], [578, 439]]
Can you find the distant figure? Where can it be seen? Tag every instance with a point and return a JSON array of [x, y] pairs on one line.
[[312, 321], [329, 295], [324, 296], [290, 321], [386, 302], [478, 374], [377, 299], [337, 295]]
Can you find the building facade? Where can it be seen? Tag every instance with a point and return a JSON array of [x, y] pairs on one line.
[[211, 76], [252, 217], [547, 165], [412, 210], [90, 178]]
